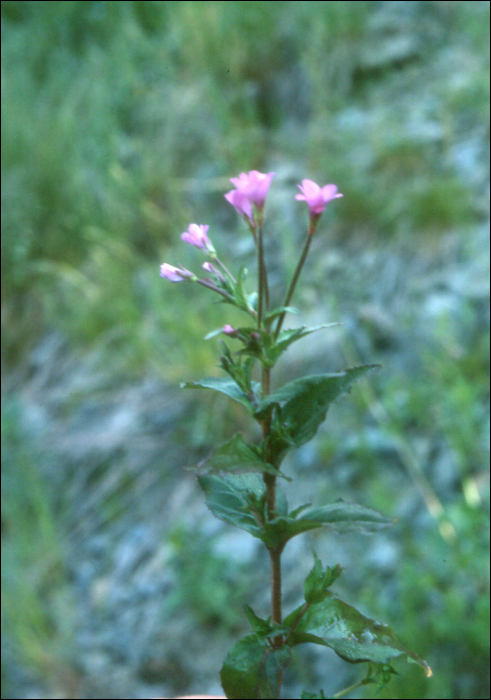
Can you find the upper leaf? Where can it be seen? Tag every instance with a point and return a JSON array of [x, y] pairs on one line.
[[253, 669], [224, 386], [304, 402], [263, 628], [342, 517], [319, 580], [354, 637], [279, 311], [236, 457], [234, 500], [278, 531], [240, 294], [291, 335]]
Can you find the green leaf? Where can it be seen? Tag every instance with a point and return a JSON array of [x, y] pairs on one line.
[[239, 293], [277, 532], [261, 627], [354, 637], [287, 337], [342, 517], [319, 580], [305, 401], [236, 457], [279, 311], [233, 500], [379, 675], [253, 669], [224, 386]]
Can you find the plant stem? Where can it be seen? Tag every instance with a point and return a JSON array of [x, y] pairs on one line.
[[224, 268], [295, 277], [344, 692], [263, 266], [260, 276], [300, 615], [214, 288], [274, 554]]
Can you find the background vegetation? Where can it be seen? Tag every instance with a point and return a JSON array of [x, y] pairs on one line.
[[121, 123]]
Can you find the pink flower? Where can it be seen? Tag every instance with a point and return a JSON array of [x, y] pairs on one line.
[[317, 197], [251, 190], [174, 274], [196, 235], [241, 202], [255, 186], [229, 330]]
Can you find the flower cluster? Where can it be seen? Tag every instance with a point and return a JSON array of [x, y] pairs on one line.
[[248, 198]]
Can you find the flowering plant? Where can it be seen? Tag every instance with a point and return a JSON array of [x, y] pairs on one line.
[[240, 479]]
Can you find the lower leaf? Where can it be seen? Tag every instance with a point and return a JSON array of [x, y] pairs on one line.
[[253, 669], [354, 637]]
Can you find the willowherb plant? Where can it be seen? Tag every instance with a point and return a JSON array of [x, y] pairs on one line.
[[239, 479]]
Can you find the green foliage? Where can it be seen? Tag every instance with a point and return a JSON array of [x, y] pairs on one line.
[[263, 628], [224, 386], [235, 457], [303, 403], [354, 637], [319, 580], [345, 517], [237, 500], [254, 669]]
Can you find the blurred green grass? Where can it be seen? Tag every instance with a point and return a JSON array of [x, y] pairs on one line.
[[121, 123]]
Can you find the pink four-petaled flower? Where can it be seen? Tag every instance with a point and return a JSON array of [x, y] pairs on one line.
[[197, 236], [252, 189], [317, 197]]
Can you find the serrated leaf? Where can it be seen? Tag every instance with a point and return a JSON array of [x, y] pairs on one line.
[[305, 401], [224, 386], [253, 669], [263, 628], [379, 675], [259, 626], [319, 580], [354, 637], [236, 457], [343, 517], [228, 498]]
